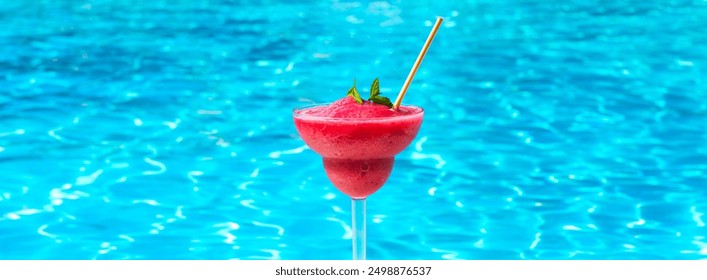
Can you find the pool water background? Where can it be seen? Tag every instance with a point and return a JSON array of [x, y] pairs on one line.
[[163, 129]]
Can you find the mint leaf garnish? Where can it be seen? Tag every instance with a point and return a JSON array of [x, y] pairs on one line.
[[375, 89], [354, 93], [376, 97], [382, 100]]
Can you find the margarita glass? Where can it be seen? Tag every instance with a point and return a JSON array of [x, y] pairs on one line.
[[358, 141], [358, 145]]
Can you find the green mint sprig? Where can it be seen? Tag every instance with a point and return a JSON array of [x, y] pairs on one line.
[[374, 97], [354, 93]]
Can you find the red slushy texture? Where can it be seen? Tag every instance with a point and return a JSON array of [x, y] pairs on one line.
[[358, 142]]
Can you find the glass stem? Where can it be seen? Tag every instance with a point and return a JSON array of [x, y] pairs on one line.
[[358, 212]]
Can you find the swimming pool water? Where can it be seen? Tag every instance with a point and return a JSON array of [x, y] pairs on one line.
[[163, 130]]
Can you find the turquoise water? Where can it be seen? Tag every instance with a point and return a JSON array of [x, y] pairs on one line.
[[163, 130]]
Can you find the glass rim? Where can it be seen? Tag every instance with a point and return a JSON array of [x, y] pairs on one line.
[[300, 108]]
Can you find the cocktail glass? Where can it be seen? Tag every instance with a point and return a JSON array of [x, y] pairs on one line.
[[358, 155]]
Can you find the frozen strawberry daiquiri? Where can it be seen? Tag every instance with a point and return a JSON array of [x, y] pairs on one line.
[[358, 142]]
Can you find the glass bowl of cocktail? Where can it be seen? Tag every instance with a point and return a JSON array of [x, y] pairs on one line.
[[358, 141]]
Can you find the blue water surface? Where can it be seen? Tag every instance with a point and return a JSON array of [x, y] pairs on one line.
[[163, 129]]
